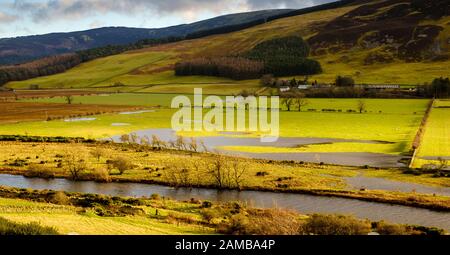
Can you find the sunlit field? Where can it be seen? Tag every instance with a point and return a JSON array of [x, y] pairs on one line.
[[436, 140], [392, 122]]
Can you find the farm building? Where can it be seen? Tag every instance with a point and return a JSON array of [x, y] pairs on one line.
[[285, 89]]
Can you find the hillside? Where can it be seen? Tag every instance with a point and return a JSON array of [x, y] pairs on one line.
[[20, 49], [394, 41]]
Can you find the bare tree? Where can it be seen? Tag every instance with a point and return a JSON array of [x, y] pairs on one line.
[[288, 102], [180, 144], [145, 140], [69, 99], [443, 163], [238, 170], [97, 153], [219, 171], [125, 138], [75, 164], [179, 174], [134, 138], [156, 143], [361, 106], [204, 148], [300, 101], [193, 145]]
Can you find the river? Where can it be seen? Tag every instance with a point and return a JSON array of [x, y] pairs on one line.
[[299, 202]]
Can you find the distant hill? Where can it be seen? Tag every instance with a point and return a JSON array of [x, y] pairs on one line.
[[379, 41], [22, 49]]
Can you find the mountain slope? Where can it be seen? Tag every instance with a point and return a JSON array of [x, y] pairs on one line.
[[375, 42], [20, 49]]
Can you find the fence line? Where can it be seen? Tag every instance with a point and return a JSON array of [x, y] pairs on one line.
[[419, 135]]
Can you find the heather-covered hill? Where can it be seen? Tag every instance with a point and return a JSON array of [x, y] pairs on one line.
[[26, 48]]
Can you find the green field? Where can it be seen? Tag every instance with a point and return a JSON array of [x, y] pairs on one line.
[[96, 72], [144, 99], [394, 121], [436, 139], [397, 123]]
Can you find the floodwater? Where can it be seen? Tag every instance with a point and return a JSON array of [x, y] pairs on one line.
[[120, 124], [212, 143], [79, 119], [136, 112]]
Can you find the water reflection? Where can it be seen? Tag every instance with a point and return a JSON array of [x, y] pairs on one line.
[[298, 202]]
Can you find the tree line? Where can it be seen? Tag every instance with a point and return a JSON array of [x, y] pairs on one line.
[[285, 56], [237, 68], [42, 67], [279, 57], [61, 63], [439, 88]]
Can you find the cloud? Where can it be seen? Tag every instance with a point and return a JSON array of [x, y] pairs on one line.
[[291, 4], [6, 18], [57, 9], [46, 10], [96, 24]]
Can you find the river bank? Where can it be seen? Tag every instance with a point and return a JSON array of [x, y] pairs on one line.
[[100, 214], [199, 170]]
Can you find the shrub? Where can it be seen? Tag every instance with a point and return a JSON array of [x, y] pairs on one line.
[[120, 163], [101, 175], [344, 81], [10, 228], [206, 204], [98, 153], [384, 228], [335, 225], [18, 162], [262, 174], [37, 170], [155, 197], [263, 222], [173, 218], [60, 198]]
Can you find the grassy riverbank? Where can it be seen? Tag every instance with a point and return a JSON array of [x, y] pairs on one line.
[[75, 213], [141, 164]]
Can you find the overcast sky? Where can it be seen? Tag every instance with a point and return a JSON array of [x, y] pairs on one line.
[[29, 17]]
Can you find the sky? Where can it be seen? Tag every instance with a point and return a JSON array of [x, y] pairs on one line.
[[31, 17]]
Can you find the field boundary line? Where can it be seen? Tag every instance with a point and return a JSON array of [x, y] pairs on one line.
[[420, 132]]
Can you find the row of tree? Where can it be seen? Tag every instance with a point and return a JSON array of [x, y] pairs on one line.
[[269, 80], [439, 88], [294, 99], [42, 67], [237, 68]]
